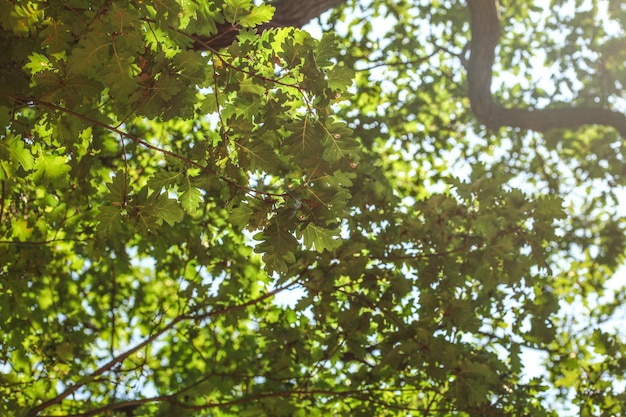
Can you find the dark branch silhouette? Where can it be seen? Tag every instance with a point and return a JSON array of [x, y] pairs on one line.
[[485, 36], [486, 30]]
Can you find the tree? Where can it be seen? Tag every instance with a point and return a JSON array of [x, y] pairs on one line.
[[169, 168]]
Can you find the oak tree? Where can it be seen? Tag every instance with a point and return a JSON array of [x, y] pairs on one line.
[[405, 208]]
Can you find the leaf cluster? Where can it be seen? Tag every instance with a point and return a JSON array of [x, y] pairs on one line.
[[295, 226]]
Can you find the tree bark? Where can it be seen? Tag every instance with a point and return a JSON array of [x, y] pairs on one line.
[[485, 36], [485, 31], [288, 13], [297, 13]]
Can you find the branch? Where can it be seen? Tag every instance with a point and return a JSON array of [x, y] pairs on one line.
[[486, 30], [122, 357], [104, 368], [296, 13], [32, 101], [365, 394]]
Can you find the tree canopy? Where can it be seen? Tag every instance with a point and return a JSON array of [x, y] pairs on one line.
[[207, 210]]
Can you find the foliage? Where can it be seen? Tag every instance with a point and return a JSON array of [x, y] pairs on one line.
[[157, 201]]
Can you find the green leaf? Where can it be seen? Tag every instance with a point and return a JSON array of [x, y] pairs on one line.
[[277, 263], [320, 238], [57, 36], [278, 246], [235, 9], [164, 179], [246, 107], [339, 78], [190, 198], [165, 208], [118, 188], [304, 141], [338, 143], [22, 230], [570, 378], [260, 14], [240, 216], [259, 155], [91, 54], [109, 220], [326, 50], [51, 169], [37, 63], [148, 210], [120, 78], [17, 152]]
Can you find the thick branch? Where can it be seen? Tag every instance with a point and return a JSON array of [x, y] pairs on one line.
[[297, 13], [486, 30], [288, 13]]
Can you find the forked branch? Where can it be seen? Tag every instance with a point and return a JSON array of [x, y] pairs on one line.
[[485, 36], [486, 30]]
